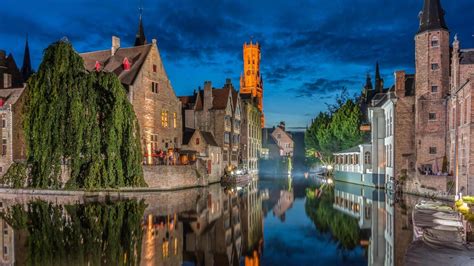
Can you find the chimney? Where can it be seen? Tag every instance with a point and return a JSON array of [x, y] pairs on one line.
[[400, 83], [207, 95], [282, 125], [115, 44]]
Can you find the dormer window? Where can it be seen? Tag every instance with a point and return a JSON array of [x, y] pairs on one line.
[[126, 64], [197, 141], [97, 66]]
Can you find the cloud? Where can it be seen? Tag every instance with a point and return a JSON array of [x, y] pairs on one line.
[[322, 88]]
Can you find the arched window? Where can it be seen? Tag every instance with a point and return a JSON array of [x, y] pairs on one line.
[[367, 158], [434, 41]]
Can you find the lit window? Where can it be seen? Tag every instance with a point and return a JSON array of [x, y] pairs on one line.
[[175, 120], [164, 118]]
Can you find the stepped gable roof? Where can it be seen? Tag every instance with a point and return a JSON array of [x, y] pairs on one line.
[[467, 57], [114, 63]]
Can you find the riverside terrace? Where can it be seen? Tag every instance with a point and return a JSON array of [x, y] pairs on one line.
[[355, 166]]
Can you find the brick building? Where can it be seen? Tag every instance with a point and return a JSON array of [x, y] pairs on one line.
[[461, 126], [217, 111], [141, 71], [12, 87]]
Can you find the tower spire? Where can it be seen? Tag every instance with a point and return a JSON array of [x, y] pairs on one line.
[[26, 69], [140, 38], [432, 16], [368, 82], [378, 79]]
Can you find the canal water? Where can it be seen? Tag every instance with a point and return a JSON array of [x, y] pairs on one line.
[[271, 221]]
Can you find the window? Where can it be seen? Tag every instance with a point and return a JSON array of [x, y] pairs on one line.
[[432, 150], [434, 66], [164, 118], [434, 88], [126, 64], [4, 147], [434, 41], [154, 68], [197, 141], [226, 137], [367, 158], [175, 120], [154, 87], [4, 123], [432, 116], [7, 80], [279, 136]]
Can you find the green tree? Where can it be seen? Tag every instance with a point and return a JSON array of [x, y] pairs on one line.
[[335, 130], [80, 119]]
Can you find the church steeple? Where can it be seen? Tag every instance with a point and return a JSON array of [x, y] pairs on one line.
[[26, 69], [368, 83], [432, 16], [378, 79], [140, 38]]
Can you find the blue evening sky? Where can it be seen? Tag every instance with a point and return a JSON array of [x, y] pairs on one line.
[[310, 49]]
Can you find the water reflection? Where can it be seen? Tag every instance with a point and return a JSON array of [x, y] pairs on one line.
[[268, 222]]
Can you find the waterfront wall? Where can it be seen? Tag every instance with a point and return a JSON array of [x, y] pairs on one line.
[[174, 177], [372, 180]]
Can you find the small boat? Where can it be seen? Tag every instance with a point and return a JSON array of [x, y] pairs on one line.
[[236, 177]]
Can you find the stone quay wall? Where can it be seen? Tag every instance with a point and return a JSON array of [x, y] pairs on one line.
[[168, 177]]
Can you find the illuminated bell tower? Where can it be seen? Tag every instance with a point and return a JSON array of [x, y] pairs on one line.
[[251, 81]]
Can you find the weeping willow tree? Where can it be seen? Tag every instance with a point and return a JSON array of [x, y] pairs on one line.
[[91, 234], [79, 119]]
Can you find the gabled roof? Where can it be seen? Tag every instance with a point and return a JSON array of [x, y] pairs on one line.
[[221, 98], [114, 63], [207, 136], [11, 95]]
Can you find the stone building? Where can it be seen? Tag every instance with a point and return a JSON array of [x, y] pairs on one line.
[[11, 104], [207, 149], [284, 140], [142, 73], [251, 132], [217, 111], [251, 81]]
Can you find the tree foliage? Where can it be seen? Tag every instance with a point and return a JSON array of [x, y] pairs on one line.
[[343, 228], [96, 233], [79, 119], [335, 130]]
